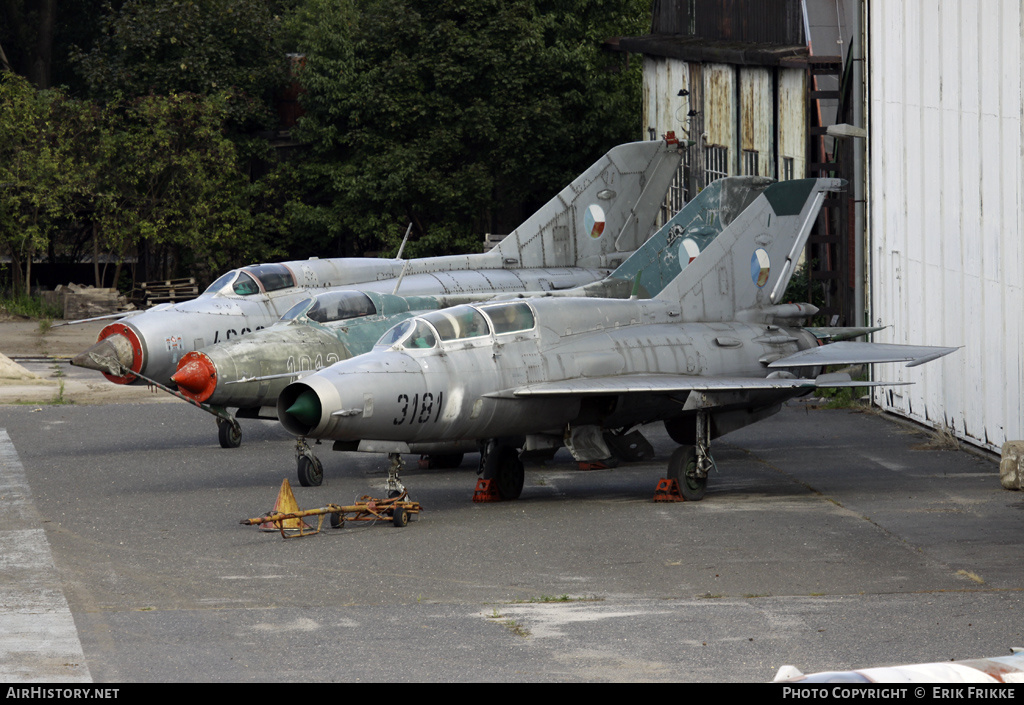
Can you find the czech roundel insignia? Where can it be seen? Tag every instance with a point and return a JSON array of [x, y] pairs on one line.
[[690, 249], [593, 221], [760, 266]]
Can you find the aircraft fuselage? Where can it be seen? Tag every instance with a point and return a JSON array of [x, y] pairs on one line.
[[462, 388]]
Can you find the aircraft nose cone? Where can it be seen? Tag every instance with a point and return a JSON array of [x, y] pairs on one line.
[[116, 354], [112, 356], [306, 409], [196, 376]]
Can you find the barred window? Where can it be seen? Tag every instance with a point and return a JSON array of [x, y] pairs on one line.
[[716, 163]]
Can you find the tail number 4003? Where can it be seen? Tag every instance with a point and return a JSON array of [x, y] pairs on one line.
[[419, 410]]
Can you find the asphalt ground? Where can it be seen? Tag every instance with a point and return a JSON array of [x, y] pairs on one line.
[[828, 540]]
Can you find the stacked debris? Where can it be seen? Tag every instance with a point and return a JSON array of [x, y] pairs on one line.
[[169, 291], [80, 301]]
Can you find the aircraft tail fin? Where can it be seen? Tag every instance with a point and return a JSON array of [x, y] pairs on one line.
[[607, 211], [688, 233], [743, 273]]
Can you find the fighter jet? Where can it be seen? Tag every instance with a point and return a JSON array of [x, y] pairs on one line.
[[249, 372], [717, 349], [578, 237]]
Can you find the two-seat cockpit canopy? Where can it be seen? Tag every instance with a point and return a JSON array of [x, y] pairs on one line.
[[332, 306], [458, 323], [254, 279]]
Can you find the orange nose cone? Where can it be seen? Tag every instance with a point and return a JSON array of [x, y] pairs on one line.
[[196, 376]]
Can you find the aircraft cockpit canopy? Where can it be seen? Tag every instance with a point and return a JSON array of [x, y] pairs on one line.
[[510, 317], [246, 281], [271, 276], [332, 306], [410, 334], [458, 323]]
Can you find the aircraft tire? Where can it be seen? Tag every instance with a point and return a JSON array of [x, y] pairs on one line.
[[504, 466], [681, 467], [229, 434], [311, 471]]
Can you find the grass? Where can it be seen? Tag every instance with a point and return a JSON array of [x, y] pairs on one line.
[[942, 438], [29, 307], [560, 598], [513, 626]]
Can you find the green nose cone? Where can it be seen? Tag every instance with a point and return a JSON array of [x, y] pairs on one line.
[[306, 409]]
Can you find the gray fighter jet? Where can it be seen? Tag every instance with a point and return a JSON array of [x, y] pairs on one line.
[[717, 349], [249, 372], [579, 236]]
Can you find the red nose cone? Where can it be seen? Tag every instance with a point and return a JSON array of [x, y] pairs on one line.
[[196, 376]]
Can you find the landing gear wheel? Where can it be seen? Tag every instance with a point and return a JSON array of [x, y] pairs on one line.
[[399, 517], [504, 466], [229, 433], [682, 466], [311, 471], [337, 521]]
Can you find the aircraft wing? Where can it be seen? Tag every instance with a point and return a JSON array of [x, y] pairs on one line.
[[676, 384], [853, 353]]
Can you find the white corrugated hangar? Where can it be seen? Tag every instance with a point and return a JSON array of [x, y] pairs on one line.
[[945, 224], [930, 238]]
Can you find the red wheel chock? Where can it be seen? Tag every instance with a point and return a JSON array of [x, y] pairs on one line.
[[486, 491], [668, 491]]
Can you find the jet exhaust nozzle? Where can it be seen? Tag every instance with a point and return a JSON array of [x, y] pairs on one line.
[[299, 408]]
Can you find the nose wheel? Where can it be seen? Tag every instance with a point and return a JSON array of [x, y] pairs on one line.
[[309, 467], [229, 432]]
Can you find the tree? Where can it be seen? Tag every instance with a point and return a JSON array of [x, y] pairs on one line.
[[172, 180], [190, 46], [458, 117], [42, 173]]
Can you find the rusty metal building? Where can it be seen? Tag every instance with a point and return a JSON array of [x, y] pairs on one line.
[[742, 81], [929, 240]]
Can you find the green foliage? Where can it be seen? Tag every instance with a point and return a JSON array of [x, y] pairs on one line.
[[460, 118], [189, 46], [41, 170], [29, 307], [433, 111], [172, 177]]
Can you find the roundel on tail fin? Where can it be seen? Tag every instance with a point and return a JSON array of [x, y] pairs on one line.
[[593, 221], [760, 267]]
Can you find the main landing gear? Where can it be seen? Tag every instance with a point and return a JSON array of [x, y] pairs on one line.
[[689, 465], [501, 471]]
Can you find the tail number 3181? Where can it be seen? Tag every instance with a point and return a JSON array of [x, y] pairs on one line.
[[419, 410]]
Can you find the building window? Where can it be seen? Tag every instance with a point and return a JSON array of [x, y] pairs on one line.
[[716, 163], [749, 162], [679, 192], [787, 168]]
